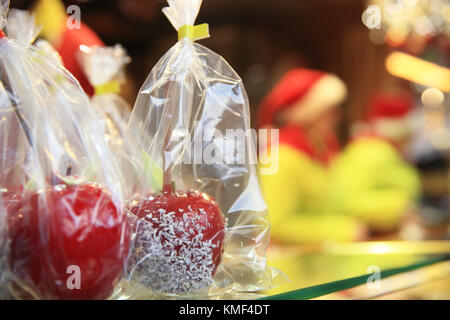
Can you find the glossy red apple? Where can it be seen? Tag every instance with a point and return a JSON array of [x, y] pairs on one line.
[[179, 242], [56, 231]]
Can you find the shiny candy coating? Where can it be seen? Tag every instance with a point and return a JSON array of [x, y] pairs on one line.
[[62, 230]]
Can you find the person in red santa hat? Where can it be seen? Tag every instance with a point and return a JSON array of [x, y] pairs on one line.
[[304, 106], [370, 180], [295, 104]]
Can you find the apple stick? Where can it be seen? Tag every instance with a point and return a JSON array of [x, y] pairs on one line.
[[168, 119]]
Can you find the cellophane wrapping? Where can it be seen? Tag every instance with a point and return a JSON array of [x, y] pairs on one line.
[[190, 103], [63, 231], [21, 27], [105, 66]]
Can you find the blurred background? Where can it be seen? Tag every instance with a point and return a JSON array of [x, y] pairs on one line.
[[386, 47]]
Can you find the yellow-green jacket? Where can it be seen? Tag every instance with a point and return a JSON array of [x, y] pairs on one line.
[[370, 181], [296, 197]]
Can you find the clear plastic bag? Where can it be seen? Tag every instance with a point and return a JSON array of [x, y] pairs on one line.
[[63, 231], [22, 27], [104, 68], [189, 132]]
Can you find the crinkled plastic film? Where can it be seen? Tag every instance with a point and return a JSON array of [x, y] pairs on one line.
[[63, 231], [22, 28], [189, 102], [104, 68]]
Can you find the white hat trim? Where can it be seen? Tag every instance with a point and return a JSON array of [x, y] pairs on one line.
[[395, 129], [328, 92]]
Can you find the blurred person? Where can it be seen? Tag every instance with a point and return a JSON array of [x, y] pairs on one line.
[[304, 106], [371, 180]]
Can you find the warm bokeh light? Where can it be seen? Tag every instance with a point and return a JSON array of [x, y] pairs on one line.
[[418, 70], [402, 18], [432, 98]]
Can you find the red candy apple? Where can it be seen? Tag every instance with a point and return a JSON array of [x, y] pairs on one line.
[[179, 241], [65, 232]]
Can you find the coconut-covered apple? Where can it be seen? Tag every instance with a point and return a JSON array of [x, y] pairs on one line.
[[64, 232], [179, 241]]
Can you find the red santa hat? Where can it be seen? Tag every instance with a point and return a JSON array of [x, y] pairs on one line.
[[388, 115], [311, 91], [69, 48]]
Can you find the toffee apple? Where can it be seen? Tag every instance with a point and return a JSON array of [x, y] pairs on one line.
[[179, 242], [63, 230]]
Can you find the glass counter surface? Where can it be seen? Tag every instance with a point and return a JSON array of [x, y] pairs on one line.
[[307, 266]]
